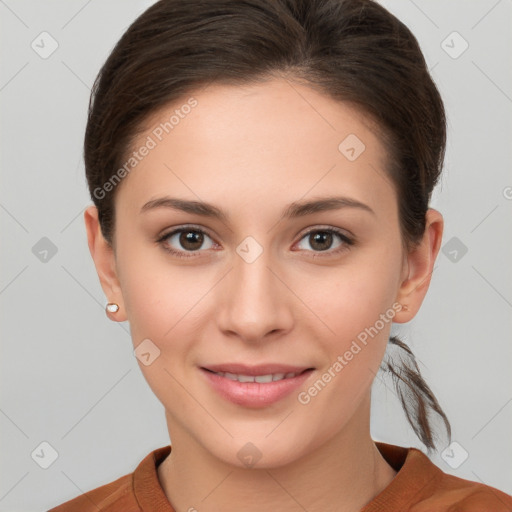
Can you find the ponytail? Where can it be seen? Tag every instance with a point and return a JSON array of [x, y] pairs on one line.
[[418, 401]]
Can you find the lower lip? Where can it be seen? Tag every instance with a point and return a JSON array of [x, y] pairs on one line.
[[255, 394]]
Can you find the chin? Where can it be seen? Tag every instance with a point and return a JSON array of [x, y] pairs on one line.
[[259, 453]]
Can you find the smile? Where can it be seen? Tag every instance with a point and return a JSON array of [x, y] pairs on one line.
[[255, 388], [262, 379]]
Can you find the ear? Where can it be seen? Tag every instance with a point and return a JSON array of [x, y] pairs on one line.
[[104, 260], [418, 268]]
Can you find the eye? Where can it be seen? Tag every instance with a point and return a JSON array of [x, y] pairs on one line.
[[185, 240], [321, 240]]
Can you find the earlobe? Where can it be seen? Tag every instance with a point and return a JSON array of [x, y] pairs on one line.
[[419, 267], [104, 260]]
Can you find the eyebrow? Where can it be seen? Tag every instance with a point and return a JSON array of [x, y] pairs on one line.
[[293, 210]]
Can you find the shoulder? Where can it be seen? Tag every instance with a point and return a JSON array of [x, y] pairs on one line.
[[114, 496], [421, 486], [132, 492], [453, 494], [448, 493]]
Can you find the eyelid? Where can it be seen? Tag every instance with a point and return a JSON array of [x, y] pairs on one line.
[[182, 227], [326, 227], [346, 241], [317, 227], [347, 238]]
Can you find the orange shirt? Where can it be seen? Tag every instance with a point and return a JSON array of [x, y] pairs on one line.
[[419, 486]]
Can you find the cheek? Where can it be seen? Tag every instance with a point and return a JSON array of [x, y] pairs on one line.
[[356, 306], [352, 299], [165, 304], [164, 301], [359, 314], [161, 300]]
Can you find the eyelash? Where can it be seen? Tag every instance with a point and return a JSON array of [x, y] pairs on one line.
[[347, 242]]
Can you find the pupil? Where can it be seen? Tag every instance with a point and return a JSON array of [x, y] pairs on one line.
[[191, 240], [322, 237]]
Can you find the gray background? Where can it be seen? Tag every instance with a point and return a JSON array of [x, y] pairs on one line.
[[68, 374]]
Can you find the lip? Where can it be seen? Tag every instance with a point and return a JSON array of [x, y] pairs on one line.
[[255, 394]]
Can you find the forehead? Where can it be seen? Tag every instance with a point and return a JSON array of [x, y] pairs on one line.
[[254, 142]]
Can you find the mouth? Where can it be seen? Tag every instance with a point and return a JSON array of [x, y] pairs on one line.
[[259, 378], [255, 386]]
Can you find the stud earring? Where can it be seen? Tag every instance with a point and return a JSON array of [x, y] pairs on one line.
[[112, 307]]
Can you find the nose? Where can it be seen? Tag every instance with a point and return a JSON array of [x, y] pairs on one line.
[[254, 302]]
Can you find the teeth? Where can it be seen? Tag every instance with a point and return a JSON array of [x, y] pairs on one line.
[[245, 378], [262, 379]]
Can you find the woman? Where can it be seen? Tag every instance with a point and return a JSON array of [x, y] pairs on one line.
[[261, 174]]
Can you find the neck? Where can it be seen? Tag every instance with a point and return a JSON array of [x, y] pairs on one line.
[[342, 475]]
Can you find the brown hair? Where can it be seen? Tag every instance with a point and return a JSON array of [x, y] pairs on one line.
[[351, 50]]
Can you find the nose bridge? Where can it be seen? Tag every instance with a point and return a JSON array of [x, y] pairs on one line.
[[255, 301]]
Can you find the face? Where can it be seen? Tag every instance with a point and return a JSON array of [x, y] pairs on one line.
[[267, 284]]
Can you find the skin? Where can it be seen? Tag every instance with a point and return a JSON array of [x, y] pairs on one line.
[[251, 151]]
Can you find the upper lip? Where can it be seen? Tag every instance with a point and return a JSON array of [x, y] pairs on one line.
[[260, 369]]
